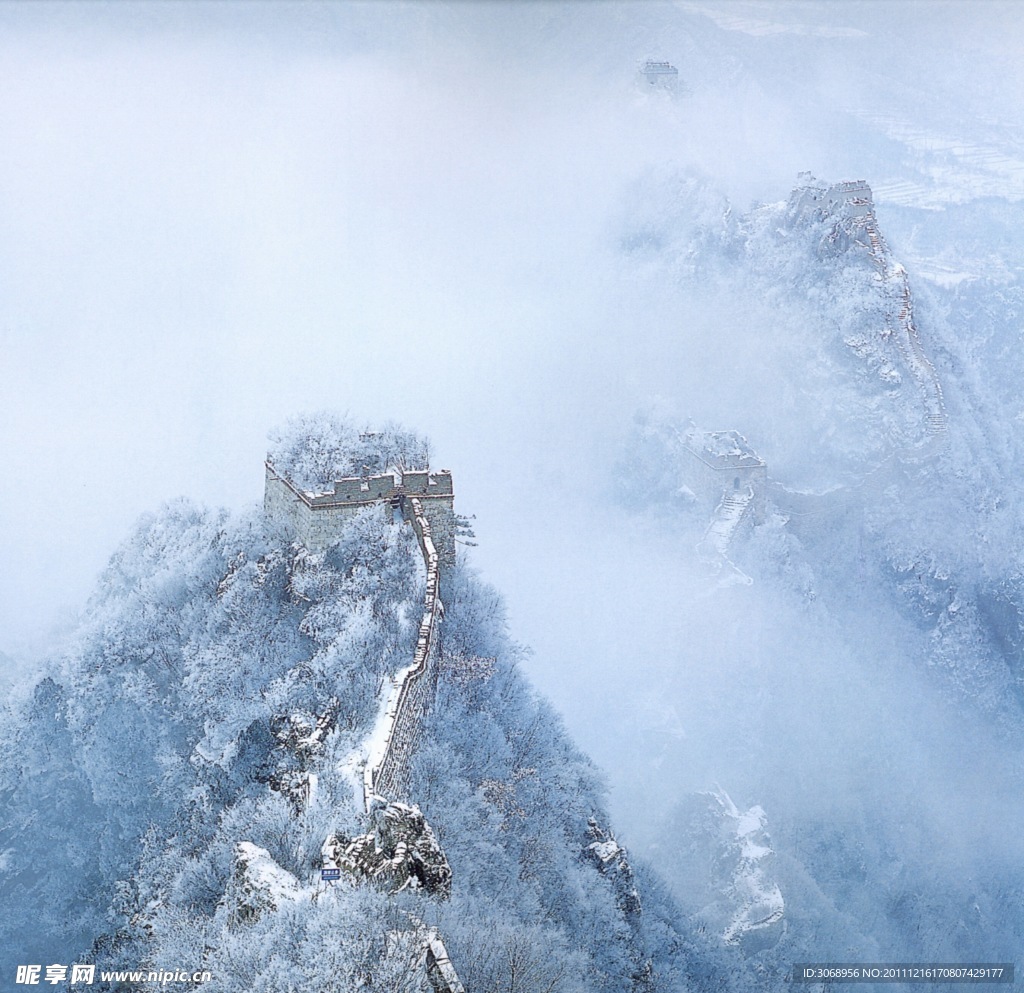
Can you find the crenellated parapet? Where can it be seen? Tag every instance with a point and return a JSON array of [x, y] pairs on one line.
[[851, 200], [317, 517], [659, 75]]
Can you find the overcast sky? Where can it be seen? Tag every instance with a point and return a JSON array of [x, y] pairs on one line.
[[214, 216]]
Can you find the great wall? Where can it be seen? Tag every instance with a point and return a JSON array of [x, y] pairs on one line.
[[400, 848], [412, 689], [723, 470], [316, 519], [850, 207]]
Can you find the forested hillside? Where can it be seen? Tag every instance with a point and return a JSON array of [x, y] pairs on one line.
[[154, 818]]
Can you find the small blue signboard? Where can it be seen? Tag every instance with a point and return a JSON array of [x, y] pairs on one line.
[[330, 873]]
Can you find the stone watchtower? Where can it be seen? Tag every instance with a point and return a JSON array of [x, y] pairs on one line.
[[317, 518], [659, 75], [722, 463], [851, 200]]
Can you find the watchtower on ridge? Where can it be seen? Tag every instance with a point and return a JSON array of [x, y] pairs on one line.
[[659, 75], [851, 199], [317, 518], [723, 463]]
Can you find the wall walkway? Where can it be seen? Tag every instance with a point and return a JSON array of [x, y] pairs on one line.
[[734, 507], [900, 322], [316, 518], [386, 772], [412, 689]]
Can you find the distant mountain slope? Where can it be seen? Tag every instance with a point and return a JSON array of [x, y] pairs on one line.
[[869, 680]]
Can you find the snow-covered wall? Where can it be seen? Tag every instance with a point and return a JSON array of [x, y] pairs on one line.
[[316, 518], [720, 463], [414, 686]]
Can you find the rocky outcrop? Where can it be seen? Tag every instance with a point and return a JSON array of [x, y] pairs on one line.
[[611, 861], [604, 852], [302, 734], [259, 885], [299, 740], [729, 870], [399, 852], [847, 212]]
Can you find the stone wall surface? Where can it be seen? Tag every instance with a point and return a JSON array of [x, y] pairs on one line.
[[440, 971], [710, 484], [358, 489], [316, 519], [414, 689], [427, 483]]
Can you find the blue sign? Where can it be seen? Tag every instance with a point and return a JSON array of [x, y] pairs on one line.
[[330, 873]]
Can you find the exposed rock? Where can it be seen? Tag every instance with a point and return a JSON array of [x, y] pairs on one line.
[[300, 740], [399, 851], [643, 978], [297, 787], [302, 733], [730, 872], [610, 858], [259, 885]]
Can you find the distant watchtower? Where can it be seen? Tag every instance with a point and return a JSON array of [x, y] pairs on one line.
[[317, 518], [851, 200], [722, 462], [659, 75]]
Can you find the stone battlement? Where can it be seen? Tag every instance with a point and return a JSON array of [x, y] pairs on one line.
[[354, 489], [852, 199], [723, 450], [317, 518], [660, 75], [427, 484], [722, 463]]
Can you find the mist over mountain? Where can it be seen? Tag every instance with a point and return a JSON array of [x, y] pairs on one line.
[[797, 266], [172, 787], [851, 661]]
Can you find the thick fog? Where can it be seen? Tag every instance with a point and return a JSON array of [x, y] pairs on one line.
[[216, 216]]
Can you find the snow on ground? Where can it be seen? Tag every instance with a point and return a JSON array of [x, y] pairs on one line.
[[377, 741], [267, 876], [750, 19], [943, 169]]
